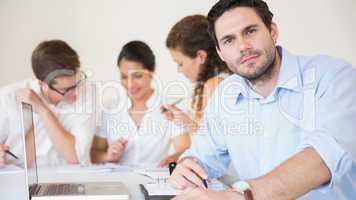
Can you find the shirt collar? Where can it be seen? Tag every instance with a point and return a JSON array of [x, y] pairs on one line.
[[289, 75]]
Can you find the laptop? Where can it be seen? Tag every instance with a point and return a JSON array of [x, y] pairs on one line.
[[62, 191]]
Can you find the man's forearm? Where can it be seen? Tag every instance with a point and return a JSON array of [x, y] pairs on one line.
[[62, 140], [293, 178]]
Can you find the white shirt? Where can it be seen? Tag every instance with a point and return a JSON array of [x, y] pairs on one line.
[[78, 118], [147, 144]]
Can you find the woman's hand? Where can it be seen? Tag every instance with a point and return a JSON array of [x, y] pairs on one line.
[[115, 150], [180, 118]]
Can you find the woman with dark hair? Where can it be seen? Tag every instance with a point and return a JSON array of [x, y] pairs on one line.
[[192, 48], [138, 134]]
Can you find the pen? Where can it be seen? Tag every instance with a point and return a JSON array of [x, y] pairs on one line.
[[173, 104], [11, 154], [171, 166], [205, 183]]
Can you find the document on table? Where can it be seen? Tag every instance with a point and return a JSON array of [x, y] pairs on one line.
[[108, 167], [7, 169], [157, 174], [165, 189]]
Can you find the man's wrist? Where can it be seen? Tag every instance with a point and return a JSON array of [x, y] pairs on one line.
[[243, 188], [233, 195]]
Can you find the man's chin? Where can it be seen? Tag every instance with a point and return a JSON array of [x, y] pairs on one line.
[[256, 75], [252, 75]]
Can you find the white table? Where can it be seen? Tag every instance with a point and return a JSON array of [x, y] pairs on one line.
[[12, 185]]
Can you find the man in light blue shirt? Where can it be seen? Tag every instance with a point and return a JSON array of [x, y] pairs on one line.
[[286, 122]]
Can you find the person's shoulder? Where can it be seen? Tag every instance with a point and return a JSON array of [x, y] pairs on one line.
[[323, 63], [327, 71], [228, 87], [16, 85], [212, 83], [9, 91], [231, 82]]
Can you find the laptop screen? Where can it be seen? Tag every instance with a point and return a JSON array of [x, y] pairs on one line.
[[29, 141]]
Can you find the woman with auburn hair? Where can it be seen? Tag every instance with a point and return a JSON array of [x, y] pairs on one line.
[[192, 48]]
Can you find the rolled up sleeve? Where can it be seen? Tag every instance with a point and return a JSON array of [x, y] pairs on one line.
[[334, 137], [330, 152]]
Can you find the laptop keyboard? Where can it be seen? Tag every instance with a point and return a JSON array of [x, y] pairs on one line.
[[62, 189], [34, 189]]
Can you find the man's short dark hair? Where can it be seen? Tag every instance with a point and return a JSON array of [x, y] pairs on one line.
[[259, 6], [53, 56], [140, 52]]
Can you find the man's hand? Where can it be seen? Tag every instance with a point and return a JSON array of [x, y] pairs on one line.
[[3, 148], [188, 174], [176, 115], [28, 96], [115, 150], [204, 194]]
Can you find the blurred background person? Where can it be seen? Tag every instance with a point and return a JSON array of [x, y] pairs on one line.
[[139, 133], [192, 48]]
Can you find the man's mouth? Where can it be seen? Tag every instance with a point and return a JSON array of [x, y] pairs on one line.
[[248, 58]]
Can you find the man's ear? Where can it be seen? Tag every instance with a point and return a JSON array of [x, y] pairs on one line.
[[274, 32], [202, 55], [43, 85]]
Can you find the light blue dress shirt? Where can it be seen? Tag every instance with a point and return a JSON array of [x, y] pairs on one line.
[[312, 105]]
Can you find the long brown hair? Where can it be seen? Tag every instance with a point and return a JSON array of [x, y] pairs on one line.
[[189, 35]]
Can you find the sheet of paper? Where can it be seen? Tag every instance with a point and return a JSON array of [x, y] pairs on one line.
[[7, 169], [156, 174], [108, 167], [163, 188]]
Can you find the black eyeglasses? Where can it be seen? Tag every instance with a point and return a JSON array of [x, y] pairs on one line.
[[65, 91]]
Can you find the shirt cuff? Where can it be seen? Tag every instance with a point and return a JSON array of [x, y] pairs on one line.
[[329, 151], [210, 171]]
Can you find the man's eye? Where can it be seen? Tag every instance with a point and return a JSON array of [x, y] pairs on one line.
[[227, 41], [249, 32]]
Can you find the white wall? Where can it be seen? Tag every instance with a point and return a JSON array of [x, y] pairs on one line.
[[98, 29]]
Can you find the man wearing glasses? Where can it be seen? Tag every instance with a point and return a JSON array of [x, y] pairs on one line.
[[63, 106]]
